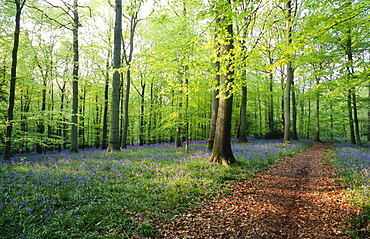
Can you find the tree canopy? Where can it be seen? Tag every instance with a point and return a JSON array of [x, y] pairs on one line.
[[301, 61]]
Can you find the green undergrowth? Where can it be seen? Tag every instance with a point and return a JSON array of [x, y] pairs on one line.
[[121, 194], [353, 164]]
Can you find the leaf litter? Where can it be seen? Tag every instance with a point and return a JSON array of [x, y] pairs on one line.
[[295, 198]]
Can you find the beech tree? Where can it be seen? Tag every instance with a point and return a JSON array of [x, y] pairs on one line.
[[177, 63], [114, 120], [222, 151]]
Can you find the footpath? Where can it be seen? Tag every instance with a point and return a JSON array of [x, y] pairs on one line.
[[295, 198]]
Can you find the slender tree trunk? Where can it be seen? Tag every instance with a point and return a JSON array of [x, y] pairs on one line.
[[355, 119], [41, 124], [82, 120], [186, 116], [215, 104], [142, 114], [74, 127], [368, 115], [350, 72], [271, 99], [179, 116], [215, 92], [331, 122], [350, 117], [294, 112], [126, 113], [114, 123], [151, 115], [309, 119], [243, 116], [317, 137], [13, 77], [222, 151], [289, 70], [128, 56], [97, 122]]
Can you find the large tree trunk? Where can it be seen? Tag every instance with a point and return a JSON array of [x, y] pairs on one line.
[[74, 126], [114, 122], [13, 77], [222, 151]]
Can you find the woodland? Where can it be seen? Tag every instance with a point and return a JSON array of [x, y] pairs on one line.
[[101, 74], [112, 113]]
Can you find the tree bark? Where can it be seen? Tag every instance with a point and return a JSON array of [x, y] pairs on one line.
[[114, 122], [104, 142], [294, 111], [74, 126], [271, 99], [126, 104], [243, 116], [289, 69], [317, 137], [368, 116], [13, 77], [222, 151], [350, 117], [355, 119], [142, 114], [215, 99]]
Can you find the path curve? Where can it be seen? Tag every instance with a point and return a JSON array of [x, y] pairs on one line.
[[295, 198]]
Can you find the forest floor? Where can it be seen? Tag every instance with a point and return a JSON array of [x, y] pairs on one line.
[[295, 198]]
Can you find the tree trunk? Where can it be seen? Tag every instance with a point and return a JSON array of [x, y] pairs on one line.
[[350, 72], [368, 116], [126, 104], [289, 70], [114, 122], [222, 151], [97, 121], [294, 112], [317, 137], [13, 77], [215, 104], [215, 99], [271, 103], [104, 142], [243, 116], [355, 119], [179, 116], [142, 114], [350, 117], [74, 126]]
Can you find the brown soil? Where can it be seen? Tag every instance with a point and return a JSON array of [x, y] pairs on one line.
[[296, 198]]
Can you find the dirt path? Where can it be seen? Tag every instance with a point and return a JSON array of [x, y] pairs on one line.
[[296, 198]]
